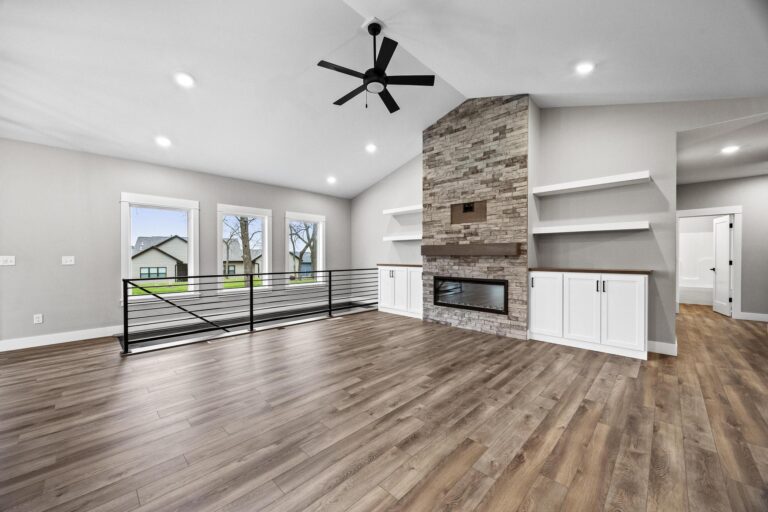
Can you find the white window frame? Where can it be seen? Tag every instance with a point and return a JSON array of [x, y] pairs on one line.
[[320, 221], [127, 200], [223, 210]]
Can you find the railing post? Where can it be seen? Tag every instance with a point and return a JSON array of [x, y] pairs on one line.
[[125, 316], [330, 293], [250, 281]]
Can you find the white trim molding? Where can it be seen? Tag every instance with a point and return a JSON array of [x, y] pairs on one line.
[[755, 317], [266, 237], [128, 199], [660, 347], [308, 217], [736, 245], [59, 337]]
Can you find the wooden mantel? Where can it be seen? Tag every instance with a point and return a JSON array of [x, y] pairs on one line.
[[476, 249]]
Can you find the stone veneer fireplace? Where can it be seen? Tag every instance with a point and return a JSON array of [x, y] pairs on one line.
[[475, 188]]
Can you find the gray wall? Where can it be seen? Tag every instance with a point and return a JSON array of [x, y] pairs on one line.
[[401, 188], [55, 202], [752, 195], [588, 142]]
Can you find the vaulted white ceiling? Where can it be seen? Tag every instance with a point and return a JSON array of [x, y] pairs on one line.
[[95, 75], [700, 157]]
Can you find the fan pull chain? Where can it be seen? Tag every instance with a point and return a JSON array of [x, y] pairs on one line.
[[366, 98]]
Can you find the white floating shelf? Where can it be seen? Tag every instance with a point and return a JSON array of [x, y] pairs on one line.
[[617, 180], [403, 210], [401, 237], [593, 228]]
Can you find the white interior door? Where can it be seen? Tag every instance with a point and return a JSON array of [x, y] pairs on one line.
[[721, 291], [581, 308]]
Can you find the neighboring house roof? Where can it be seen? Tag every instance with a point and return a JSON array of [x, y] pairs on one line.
[[144, 243], [307, 258], [155, 248], [235, 252]]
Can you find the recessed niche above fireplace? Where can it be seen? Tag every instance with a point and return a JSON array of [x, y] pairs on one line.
[[489, 295]]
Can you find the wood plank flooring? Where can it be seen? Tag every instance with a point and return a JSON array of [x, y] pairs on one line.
[[377, 412]]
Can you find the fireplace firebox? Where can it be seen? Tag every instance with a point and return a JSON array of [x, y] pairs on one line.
[[489, 295]]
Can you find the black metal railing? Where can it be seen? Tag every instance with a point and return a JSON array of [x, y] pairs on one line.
[[167, 311]]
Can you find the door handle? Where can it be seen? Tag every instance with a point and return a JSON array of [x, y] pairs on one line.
[[713, 269], [597, 286], [531, 282], [603, 286]]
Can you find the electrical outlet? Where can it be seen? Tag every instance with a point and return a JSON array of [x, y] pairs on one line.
[[67, 260], [37, 318], [7, 260]]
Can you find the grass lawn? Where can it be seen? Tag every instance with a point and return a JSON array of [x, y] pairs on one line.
[[239, 282], [161, 287]]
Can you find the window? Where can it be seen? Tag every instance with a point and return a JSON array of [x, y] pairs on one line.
[[147, 272], [159, 237], [305, 253], [243, 244]]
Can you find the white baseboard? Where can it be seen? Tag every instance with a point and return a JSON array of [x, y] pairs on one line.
[[758, 317], [400, 312], [659, 347], [58, 337], [617, 351]]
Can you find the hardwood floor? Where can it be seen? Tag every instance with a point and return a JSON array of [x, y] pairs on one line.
[[377, 412]]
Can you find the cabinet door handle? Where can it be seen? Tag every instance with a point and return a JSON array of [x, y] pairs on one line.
[[531, 282], [597, 286], [603, 286]]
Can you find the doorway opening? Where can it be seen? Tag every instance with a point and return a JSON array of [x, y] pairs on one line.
[[707, 266]]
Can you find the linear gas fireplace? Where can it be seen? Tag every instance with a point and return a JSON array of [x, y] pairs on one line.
[[489, 295]]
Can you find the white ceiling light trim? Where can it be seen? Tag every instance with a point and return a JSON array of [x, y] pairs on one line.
[[584, 68], [163, 141], [370, 147], [729, 150], [331, 180], [184, 80]]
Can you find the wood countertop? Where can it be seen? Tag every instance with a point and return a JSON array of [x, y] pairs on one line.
[[419, 265], [591, 270]]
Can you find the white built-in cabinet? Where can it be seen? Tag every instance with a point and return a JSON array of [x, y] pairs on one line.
[[607, 312], [400, 290]]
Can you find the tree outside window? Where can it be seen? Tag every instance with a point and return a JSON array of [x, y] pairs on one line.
[[303, 251], [243, 244]]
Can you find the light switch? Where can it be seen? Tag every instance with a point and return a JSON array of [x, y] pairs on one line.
[[7, 260], [67, 260]]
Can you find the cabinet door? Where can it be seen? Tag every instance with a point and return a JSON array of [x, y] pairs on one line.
[[401, 288], [415, 289], [546, 303], [386, 288], [581, 307], [623, 311]]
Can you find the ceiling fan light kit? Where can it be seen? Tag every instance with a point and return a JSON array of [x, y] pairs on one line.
[[375, 79]]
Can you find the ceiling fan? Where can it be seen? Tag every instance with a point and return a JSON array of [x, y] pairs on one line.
[[375, 79]]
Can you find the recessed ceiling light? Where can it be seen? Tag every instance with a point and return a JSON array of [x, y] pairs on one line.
[[729, 150], [585, 68], [371, 148], [184, 80], [331, 180], [163, 141]]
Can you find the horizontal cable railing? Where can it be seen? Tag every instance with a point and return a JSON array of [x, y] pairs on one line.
[[172, 309]]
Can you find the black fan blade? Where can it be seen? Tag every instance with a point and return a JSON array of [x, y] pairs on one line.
[[411, 80], [385, 53], [340, 69], [349, 95], [389, 101]]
